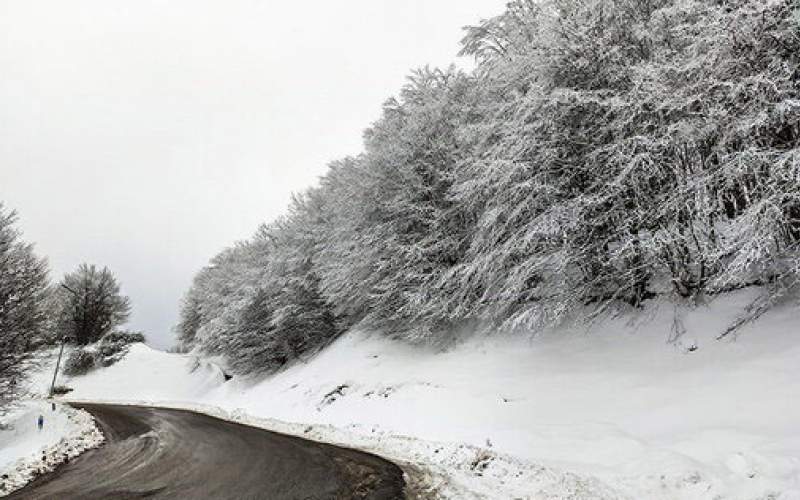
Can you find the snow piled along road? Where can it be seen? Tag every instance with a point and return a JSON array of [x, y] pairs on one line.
[[26, 451], [610, 412]]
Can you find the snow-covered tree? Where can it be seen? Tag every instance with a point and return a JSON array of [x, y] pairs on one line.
[[602, 152], [395, 228], [90, 304], [23, 287], [219, 294], [259, 304], [620, 136]]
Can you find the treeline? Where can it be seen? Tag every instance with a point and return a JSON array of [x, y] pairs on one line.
[[84, 307], [602, 152]]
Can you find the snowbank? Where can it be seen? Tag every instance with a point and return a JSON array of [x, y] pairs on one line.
[[610, 412], [26, 451], [145, 374]]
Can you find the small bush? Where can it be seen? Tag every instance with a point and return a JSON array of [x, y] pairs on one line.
[[109, 354], [123, 337], [79, 362], [114, 346], [60, 390]]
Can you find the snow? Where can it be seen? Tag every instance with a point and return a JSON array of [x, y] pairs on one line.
[[611, 411], [26, 451], [146, 374], [22, 434]]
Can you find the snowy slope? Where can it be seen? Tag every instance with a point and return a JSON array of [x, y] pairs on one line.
[[146, 374], [608, 412]]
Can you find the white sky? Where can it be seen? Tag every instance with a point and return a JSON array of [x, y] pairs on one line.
[[147, 135]]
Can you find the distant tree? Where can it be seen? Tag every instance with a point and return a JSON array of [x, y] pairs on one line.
[[213, 307], [190, 318], [23, 285], [301, 319], [258, 304], [94, 308]]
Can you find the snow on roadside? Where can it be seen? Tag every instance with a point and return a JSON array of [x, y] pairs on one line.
[[610, 412], [433, 469], [451, 470], [26, 451]]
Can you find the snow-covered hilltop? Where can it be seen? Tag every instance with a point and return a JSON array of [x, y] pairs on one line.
[[613, 411]]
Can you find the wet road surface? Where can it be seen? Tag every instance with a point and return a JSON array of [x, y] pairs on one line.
[[164, 453]]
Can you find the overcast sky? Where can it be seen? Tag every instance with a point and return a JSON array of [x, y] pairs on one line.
[[147, 135]]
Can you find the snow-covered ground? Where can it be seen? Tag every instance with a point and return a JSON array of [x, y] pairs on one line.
[[26, 451], [612, 411]]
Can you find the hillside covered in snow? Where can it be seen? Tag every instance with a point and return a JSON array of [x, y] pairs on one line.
[[580, 259], [601, 155], [609, 411]]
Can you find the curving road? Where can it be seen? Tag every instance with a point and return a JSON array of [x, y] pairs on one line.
[[164, 453]]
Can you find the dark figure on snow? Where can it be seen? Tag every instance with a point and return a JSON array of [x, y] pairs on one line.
[[40, 422]]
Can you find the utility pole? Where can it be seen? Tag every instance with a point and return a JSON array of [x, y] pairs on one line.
[[63, 341]]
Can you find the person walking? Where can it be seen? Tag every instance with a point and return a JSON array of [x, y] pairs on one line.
[[40, 422]]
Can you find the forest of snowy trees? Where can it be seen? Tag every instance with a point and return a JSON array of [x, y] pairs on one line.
[[600, 154]]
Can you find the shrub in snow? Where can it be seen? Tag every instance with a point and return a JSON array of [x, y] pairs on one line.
[[123, 337], [108, 354], [110, 349], [113, 346], [80, 362]]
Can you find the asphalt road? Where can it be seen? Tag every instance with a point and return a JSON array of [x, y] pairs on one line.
[[163, 453]]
